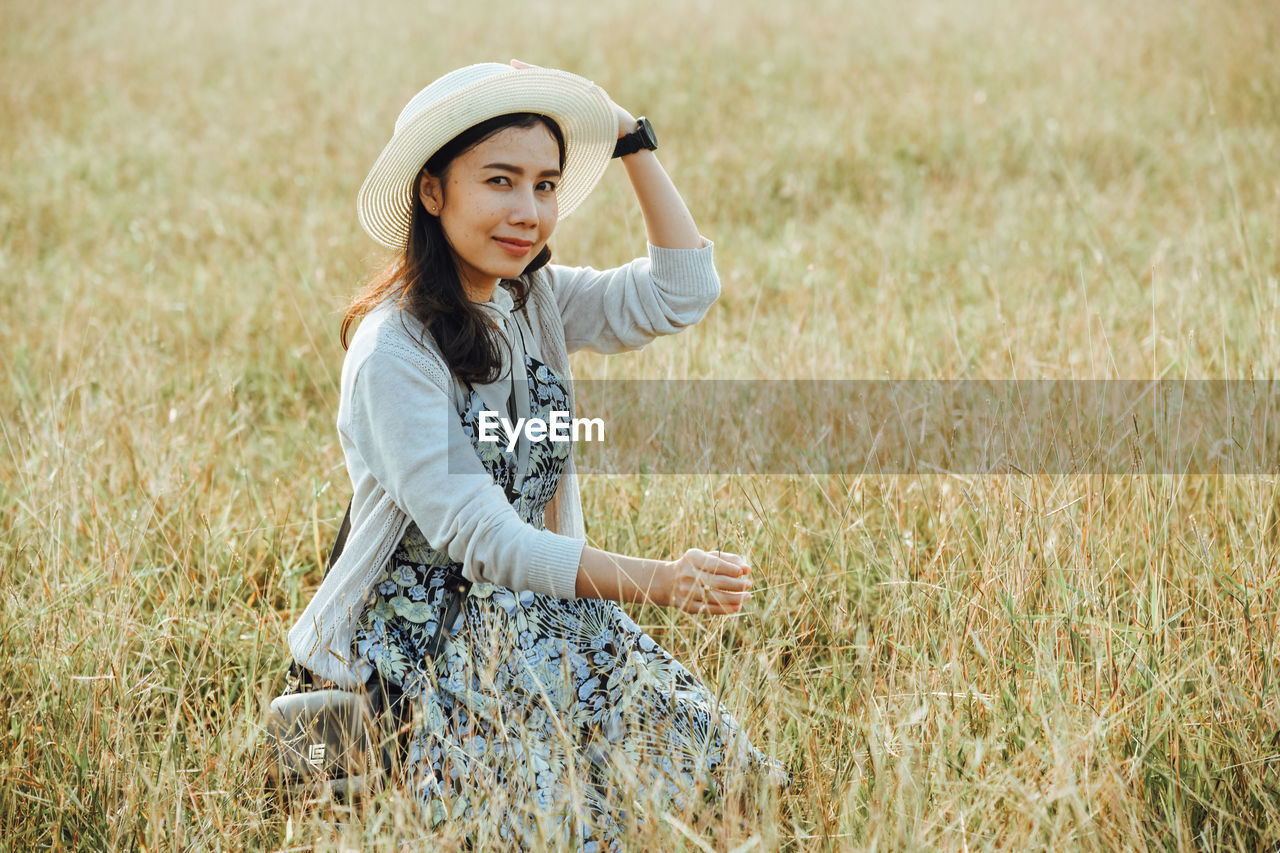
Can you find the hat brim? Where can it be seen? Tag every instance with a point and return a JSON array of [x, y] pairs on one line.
[[581, 109]]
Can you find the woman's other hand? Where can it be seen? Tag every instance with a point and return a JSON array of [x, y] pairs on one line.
[[712, 582]]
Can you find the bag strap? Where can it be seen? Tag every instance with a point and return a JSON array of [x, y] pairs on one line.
[[340, 541]]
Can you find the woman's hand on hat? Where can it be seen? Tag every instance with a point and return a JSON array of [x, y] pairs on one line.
[[712, 582], [626, 121]]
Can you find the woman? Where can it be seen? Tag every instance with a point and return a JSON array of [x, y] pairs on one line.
[[466, 582]]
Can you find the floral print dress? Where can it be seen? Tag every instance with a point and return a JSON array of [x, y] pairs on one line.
[[535, 711]]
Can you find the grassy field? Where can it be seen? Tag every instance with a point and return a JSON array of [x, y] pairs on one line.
[[922, 189]]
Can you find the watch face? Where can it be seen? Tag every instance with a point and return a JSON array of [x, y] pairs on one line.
[[647, 136]]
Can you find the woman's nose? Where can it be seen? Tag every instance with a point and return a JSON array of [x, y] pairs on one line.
[[524, 208]]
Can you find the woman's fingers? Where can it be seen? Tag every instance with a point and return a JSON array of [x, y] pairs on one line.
[[713, 608], [725, 583], [735, 598], [718, 591], [724, 563], [697, 606]]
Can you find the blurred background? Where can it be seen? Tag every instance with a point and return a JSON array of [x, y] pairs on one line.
[[920, 189]]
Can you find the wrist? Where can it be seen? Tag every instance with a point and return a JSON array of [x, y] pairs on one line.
[[624, 579], [660, 589], [626, 123]]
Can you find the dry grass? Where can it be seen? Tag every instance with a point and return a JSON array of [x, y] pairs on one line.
[[924, 189]]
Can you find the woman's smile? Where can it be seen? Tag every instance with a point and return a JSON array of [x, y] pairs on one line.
[[518, 248]]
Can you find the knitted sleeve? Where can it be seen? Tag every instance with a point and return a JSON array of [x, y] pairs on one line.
[[627, 307]]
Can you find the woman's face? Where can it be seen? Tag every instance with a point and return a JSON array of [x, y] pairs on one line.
[[497, 204]]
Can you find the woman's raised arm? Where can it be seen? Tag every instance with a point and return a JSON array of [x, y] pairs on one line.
[[667, 220]]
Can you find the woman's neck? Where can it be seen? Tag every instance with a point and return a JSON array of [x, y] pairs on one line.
[[481, 294]]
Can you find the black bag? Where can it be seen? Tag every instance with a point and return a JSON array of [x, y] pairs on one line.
[[342, 740]]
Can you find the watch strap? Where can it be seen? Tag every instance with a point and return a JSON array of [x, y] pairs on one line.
[[640, 138]]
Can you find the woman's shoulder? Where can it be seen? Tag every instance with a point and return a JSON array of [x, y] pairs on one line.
[[390, 332]]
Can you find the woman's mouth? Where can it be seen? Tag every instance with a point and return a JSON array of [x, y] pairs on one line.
[[514, 247]]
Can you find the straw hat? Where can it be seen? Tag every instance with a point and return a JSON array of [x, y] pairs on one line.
[[467, 96]]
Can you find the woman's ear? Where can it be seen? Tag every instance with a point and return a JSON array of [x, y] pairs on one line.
[[429, 192]]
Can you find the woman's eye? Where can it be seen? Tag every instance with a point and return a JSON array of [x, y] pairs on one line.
[[547, 186], [500, 180]]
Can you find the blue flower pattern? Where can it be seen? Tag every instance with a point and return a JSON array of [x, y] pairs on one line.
[[531, 692]]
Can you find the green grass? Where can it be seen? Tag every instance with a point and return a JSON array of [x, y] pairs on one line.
[[926, 189]]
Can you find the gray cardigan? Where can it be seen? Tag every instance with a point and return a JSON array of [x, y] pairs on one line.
[[409, 459]]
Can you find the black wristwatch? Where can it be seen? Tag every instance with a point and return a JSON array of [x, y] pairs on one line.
[[642, 137]]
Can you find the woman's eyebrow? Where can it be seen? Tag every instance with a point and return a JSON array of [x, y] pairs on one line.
[[517, 170]]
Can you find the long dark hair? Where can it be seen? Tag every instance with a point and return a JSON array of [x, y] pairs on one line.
[[425, 278]]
